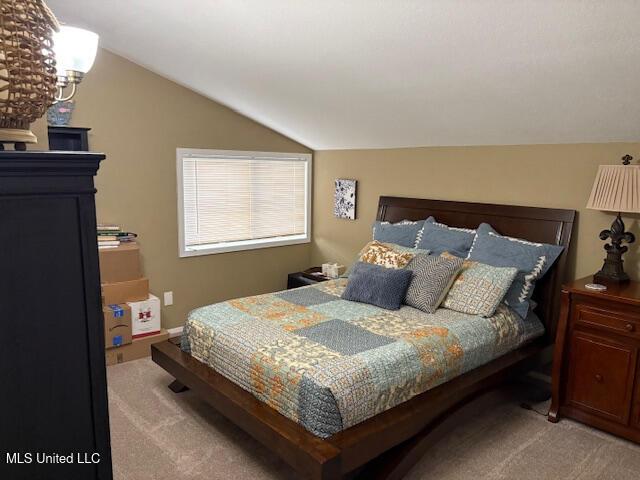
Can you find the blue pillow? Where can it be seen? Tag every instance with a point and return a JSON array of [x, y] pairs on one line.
[[403, 233], [439, 238], [376, 285], [531, 259]]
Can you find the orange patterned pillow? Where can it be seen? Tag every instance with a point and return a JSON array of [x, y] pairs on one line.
[[380, 254]]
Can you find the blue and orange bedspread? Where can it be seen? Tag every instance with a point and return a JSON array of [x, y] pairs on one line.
[[328, 363]]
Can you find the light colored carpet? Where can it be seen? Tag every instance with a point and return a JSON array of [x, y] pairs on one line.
[[158, 435]]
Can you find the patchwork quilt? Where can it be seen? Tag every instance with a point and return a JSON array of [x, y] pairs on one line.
[[328, 363]]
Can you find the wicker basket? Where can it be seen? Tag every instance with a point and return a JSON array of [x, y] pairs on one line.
[[27, 67]]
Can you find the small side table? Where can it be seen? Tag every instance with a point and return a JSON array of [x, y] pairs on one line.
[[298, 279]]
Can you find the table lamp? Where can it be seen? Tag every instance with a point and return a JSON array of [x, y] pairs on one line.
[[616, 189]]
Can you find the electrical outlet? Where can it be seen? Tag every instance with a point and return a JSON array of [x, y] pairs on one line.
[[168, 299]]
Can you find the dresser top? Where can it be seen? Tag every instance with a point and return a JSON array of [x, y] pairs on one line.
[[624, 292], [32, 162], [48, 155]]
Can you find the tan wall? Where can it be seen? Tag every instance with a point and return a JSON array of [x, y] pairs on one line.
[[39, 129], [139, 119], [558, 176]]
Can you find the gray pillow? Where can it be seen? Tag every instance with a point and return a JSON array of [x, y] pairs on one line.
[[439, 238], [402, 233], [431, 280], [531, 259], [376, 285]]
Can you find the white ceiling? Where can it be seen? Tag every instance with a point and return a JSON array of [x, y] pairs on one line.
[[372, 74]]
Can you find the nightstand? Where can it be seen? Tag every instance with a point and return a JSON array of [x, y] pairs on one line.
[[596, 372], [302, 279]]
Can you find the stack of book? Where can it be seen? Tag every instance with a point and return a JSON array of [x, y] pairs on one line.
[[111, 236]]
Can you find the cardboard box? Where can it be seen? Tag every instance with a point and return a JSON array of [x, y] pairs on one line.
[[139, 348], [145, 317], [123, 292], [120, 264], [117, 325]]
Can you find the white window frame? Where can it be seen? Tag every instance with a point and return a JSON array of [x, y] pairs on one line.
[[182, 153]]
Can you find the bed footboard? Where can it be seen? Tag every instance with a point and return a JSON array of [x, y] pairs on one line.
[[385, 446], [312, 456]]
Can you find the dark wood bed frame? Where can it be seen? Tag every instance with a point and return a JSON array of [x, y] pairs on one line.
[[389, 444]]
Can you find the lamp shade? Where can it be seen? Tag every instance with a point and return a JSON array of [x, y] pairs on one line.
[[616, 189], [75, 49]]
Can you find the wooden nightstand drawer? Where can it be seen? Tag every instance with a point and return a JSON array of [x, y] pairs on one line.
[[608, 321], [601, 376]]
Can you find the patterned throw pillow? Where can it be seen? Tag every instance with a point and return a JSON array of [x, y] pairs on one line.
[[432, 278], [531, 260], [393, 246], [385, 256], [479, 288]]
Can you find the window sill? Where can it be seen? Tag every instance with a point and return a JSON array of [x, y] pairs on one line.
[[242, 245]]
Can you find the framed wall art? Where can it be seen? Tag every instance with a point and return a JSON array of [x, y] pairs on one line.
[[345, 199]]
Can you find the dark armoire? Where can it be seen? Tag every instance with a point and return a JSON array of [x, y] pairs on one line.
[[53, 391]]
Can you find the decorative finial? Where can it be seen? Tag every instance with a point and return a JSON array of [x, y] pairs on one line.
[[626, 160]]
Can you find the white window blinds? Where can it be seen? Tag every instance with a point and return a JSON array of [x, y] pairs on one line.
[[239, 200]]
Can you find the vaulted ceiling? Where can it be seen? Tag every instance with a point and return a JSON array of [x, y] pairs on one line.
[[396, 73]]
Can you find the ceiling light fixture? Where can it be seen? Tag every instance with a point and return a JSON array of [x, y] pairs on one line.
[[75, 51]]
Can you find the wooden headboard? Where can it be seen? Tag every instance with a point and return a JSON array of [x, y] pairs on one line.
[[544, 225]]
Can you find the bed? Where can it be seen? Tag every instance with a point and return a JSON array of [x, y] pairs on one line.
[[364, 407]]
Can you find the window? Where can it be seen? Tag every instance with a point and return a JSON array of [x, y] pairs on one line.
[[231, 200]]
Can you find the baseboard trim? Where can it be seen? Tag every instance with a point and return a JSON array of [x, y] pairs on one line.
[[174, 332]]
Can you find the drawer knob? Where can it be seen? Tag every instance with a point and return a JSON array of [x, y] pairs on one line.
[[630, 327], [598, 378]]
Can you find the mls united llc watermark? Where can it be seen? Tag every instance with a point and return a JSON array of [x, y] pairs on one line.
[[16, 458]]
